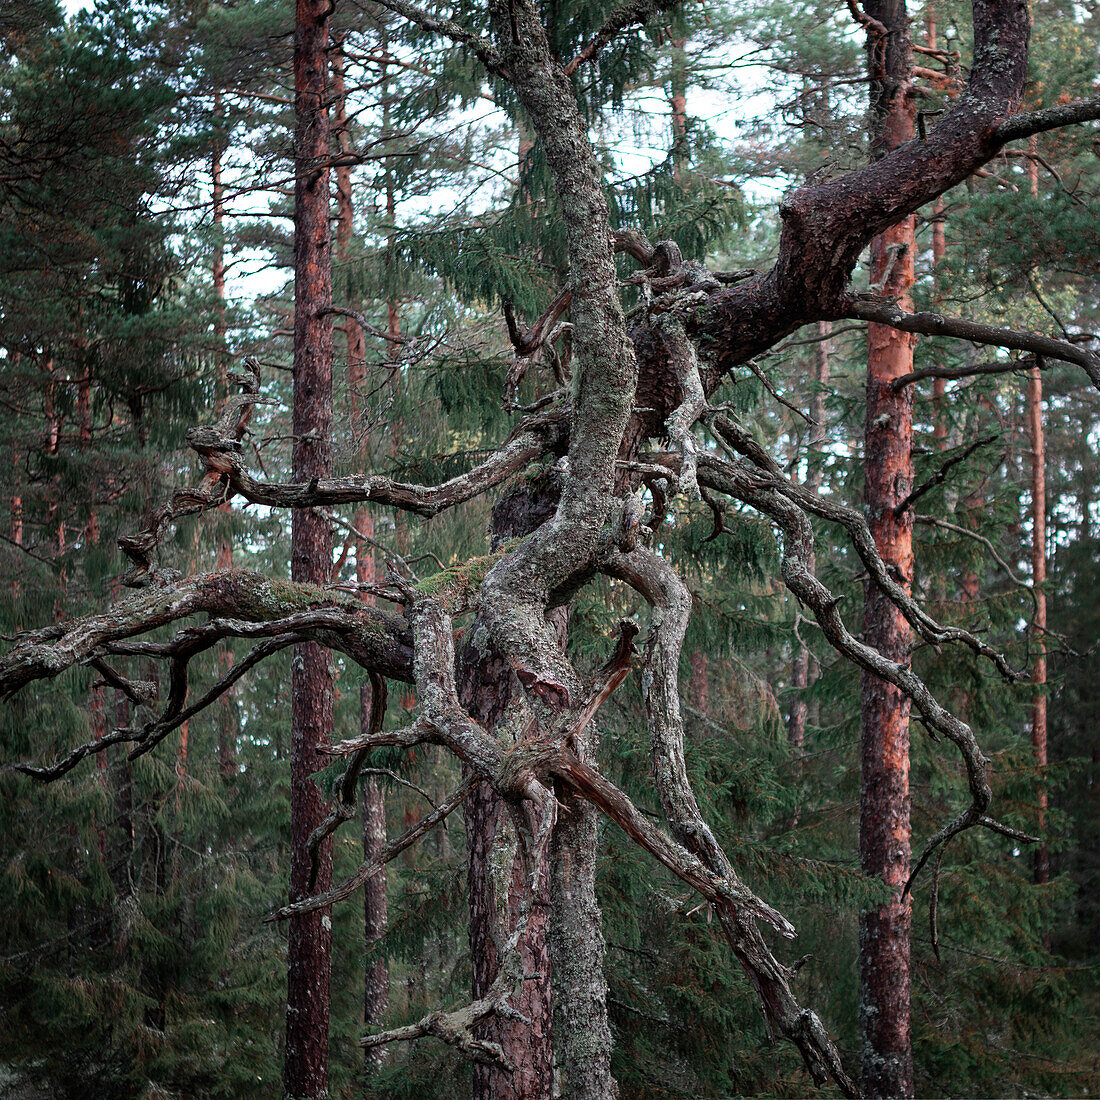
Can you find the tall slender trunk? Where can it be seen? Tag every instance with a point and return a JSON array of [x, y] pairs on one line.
[[228, 726], [939, 386], [376, 979], [677, 101], [884, 827], [939, 250], [1039, 623], [305, 1067], [583, 1037], [15, 522], [217, 259], [1038, 568]]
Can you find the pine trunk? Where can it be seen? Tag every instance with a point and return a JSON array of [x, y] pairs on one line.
[[1038, 570], [884, 828], [228, 725], [305, 1068], [376, 979], [582, 1034], [1039, 625]]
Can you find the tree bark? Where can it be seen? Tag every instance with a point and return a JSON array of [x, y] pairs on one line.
[[884, 827], [1039, 623], [1038, 572], [583, 1035], [495, 873], [305, 1068]]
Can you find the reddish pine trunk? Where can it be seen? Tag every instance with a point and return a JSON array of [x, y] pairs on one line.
[[884, 830], [1038, 568], [1038, 577], [305, 1067], [376, 980]]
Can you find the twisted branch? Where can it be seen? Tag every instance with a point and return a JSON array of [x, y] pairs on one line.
[[798, 555], [736, 439], [735, 906]]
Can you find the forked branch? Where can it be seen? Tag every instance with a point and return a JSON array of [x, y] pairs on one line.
[[798, 557], [737, 908], [371, 867]]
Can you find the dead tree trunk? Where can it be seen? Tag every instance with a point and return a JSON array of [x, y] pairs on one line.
[[488, 689], [305, 1068], [884, 829]]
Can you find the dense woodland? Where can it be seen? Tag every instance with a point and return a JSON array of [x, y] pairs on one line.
[[552, 549]]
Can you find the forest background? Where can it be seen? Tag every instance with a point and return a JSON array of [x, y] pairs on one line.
[[146, 189]]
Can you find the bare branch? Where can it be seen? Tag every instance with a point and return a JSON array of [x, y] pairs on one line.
[[215, 445], [48, 773], [940, 476], [533, 437], [964, 372], [366, 326], [886, 312], [659, 583], [401, 781], [369, 868], [156, 733], [685, 366], [419, 732], [739, 441], [766, 382], [798, 575], [1050, 118], [259, 605], [932, 521]]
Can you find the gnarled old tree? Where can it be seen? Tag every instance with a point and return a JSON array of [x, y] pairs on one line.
[[655, 373]]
